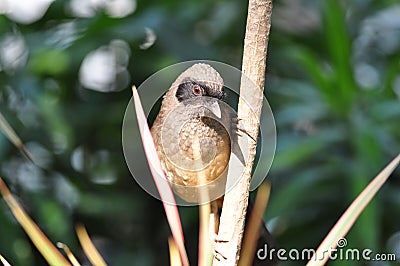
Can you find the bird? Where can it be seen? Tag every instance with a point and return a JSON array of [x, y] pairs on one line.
[[191, 140], [194, 134]]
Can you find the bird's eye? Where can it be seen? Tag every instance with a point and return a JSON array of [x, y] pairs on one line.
[[197, 90]]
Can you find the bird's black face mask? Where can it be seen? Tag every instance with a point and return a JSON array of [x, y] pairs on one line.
[[190, 88], [201, 96]]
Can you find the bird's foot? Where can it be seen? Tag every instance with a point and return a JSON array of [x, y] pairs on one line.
[[218, 255], [238, 129]]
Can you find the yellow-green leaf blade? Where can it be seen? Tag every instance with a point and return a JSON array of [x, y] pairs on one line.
[[253, 229], [90, 250], [174, 257], [9, 132], [4, 261], [39, 239], [69, 254], [349, 217]]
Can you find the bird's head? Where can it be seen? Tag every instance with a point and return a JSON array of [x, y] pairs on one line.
[[199, 85]]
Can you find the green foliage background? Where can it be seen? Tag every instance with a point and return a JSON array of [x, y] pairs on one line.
[[333, 82]]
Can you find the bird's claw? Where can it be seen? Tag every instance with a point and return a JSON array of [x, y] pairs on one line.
[[217, 254], [238, 130]]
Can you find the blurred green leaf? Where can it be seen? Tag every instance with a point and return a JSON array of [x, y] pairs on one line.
[[339, 46], [297, 150], [49, 62]]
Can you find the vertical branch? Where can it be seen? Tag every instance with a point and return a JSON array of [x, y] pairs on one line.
[[250, 103]]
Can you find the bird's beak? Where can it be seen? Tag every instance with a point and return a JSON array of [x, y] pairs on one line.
[[214, 107]]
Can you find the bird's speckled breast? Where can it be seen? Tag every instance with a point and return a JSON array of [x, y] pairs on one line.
[[206, 142]]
